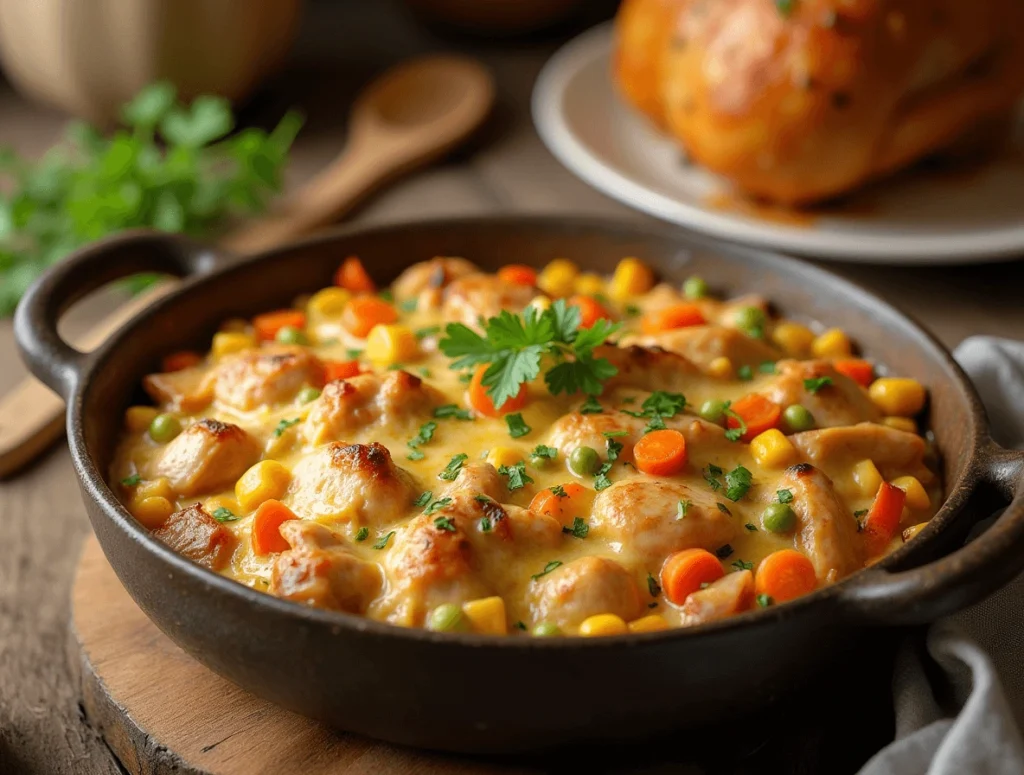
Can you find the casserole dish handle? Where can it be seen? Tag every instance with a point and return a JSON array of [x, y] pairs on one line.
[[55, 362], [968, 574]]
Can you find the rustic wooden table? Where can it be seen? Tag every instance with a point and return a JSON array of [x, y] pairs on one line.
[[42, 523]]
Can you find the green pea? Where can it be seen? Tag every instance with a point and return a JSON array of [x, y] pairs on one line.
[[797, 418], [447, 618], [164, 428], [546, 630], [712, 410], [307, 394], [750, 319], [539, 462], [584, 461], [695, 288], [291, 335], [778, 518]]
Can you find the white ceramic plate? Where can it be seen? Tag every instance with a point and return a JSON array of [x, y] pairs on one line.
[[924, 217]]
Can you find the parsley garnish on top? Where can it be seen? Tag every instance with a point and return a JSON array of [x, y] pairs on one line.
[[451, 471], [444, 523], [591, 406], [131, 481], [682, 508], [784, 496], [449, 411], [382, 542], [734, 434], [283, 426], [816, 384], [559, 491], [579, 528], [737, 482], [425, 434], [743, 565], [745, 373], [710, 476], [547, 569], [517, 476], [513, 346], [362, 533], [542, 451], [224, 514], [517, 425], [653, 586]]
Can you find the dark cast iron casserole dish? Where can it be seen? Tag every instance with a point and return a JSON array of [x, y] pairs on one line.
[[474, 693]]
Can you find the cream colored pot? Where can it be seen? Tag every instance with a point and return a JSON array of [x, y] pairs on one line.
[[90, 56]]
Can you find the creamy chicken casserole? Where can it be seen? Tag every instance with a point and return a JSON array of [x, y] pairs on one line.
[[551, 453]]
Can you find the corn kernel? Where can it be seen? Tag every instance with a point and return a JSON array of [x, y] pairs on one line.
[[589, 284], [917, 497], [793, 338], [265, 480], [389, 344], [504, 456], [720, 367], [603, 624], [328, 303], [652, 623], [226, 343], [900, 424], [899, 396], [487, 615], [558, 278], [632, 277], [138, 418], [152, 512], [866, 477], [772, 449], [832, 344], [540, 303], [913, 530], [154, 488]]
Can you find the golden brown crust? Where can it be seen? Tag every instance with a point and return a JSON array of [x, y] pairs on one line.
[[196, 535]]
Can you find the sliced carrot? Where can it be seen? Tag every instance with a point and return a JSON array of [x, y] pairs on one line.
[[482, 403], [341, 370], [661, 453], [591, 310], [518, 274], [685, 572], [181, 360], [268, 324], [560, 506], [860, 371], [266, 527], [677, 316], [784, 575], [362, 313], [352, 276], [883, 519], [757, 412]]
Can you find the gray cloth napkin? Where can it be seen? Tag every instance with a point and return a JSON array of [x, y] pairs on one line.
[[967, 720]]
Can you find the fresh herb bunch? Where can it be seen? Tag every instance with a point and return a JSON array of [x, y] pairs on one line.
[[515, 345], [168, 169]]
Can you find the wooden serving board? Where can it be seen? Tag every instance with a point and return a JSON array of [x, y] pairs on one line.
[[161, 712]]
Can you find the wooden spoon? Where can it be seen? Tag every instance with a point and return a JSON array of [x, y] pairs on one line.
[[411, 115]]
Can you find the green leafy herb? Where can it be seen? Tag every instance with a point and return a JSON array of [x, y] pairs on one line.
[[737, 483], [614, 449], [131, 481], [602, 482], [723, 551], [682, 509], [724, 509], [465, 378], [653, 586], [452, 411], [415, 455], [784, 496], [362, 533], [423, 333], [816, 384], [540, 450], [743, 565], [408, 305], [517, 476], [396, 367], [559, 491], [711, 474], [579, 528], [425, 434], [520, 625], [485, 524], [631, 310], [745, 373], [424, 372], [764, 601], [591, 406], [860, 513], [767, 367], [437, 505], [444, 523], [353, 354], [283, 426], [451, 471], [225, 515], [382, 542], [615, 434], [517, 426], [547, 569], [734, 434], [387, 295], [751, 527], [424, 499]]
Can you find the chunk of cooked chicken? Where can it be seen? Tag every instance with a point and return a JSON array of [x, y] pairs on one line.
[[646, 368], [390, 399], [356, 483], [731, 594], [826, 529], [271, 375], [703, 344], [894, 452], [641, 516], [186, 390], [483, 295], [207, 456], [843, 402], [426, 280], [194, 534], [477, 479], [585, 587], [319, 570]]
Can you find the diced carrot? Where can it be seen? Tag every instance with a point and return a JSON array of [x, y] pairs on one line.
[[268, 324], [684, 572], [266, 527], [181, 360], [341, 370], [518, 274], [482, 403], [784, 575], [661, 453], [757, 412], [560, 506], [883, 519], [352, 276], [591, 310], [677, 316], [362, 313], [860, 371]]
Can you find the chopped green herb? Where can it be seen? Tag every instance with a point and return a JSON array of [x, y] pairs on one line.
[[751, 527], [653, 586], [547, 452], [424, 372], [784, 496], [816, 384], [745, 373], [682, 508], [520, 625], [396, 366], [737, 483], [743, 565], [517, 426], [452, 411], [547, 569], [764, 600], [614, 448], [579, 528], [724, 509], [131, 481], [423, 333], [225, 515], [444, 523], [425, 434], [711, 474], [386, 294], [415, 454], [517, 476], [283, 426], [485, 524], [591, 406], [602, 482], [656, 423], [362, 533], [734, 434], [723, 551], [408, 305], [767, 367], [860, 513], [382, 542], [451, 471], [424, 499], [615, 434], [631, 310], [465, 378], [437, 505], [559, 490], [353, 353]]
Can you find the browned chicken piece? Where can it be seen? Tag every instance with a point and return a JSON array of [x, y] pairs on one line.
[[646, 368], [356, 483], [194, 534], [187, 390], [427, 280], [731, 594], [393, 399], [894, 452], [642, 516], [483, 295], [582, 588], [270, 375], [703, 344], [843, 402], [207, 456], [826, 529], [321, 571], [478, 479], [643, 32]]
